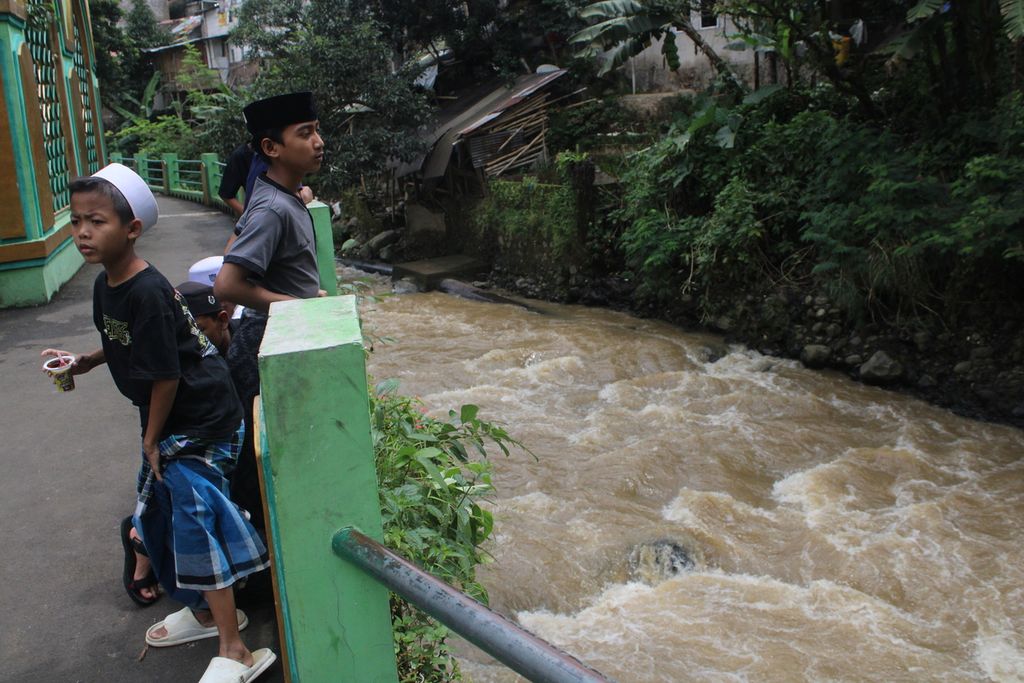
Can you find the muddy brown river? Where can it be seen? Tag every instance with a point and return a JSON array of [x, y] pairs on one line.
[[837, 532]]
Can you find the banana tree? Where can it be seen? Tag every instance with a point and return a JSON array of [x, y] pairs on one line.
[[624, 28]]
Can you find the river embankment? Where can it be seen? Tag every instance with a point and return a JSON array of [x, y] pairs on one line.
[[974, 370], [542, 243]]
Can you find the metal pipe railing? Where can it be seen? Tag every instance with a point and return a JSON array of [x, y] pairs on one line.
[[520, 650]]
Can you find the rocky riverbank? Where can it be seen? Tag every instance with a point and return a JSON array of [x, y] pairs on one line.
[[977, 371]]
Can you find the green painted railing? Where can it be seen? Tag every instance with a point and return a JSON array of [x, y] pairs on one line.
[[316, 467], [191, 179]]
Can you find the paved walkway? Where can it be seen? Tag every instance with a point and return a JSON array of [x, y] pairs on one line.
[[67, 472]]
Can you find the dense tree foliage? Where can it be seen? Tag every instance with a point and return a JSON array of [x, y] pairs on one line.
[[369, 110], [882, 161], [122, 67]]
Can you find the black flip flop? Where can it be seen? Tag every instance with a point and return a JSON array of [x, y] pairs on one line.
[[132, 585]]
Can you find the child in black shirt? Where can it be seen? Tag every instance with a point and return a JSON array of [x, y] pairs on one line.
[[199, 542]]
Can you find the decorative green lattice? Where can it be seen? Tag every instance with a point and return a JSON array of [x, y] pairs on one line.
[[84, 79], [37, 36]]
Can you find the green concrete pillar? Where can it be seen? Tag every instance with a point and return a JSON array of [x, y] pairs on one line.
[[211, 177], [321, 214], [172, 180], [318, 473]]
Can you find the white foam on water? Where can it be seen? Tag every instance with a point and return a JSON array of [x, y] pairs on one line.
[[681, 509], [999, 651], [534, 503], [713, 626]]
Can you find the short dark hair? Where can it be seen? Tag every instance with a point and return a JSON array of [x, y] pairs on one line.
[[106, 188], [275, 134]]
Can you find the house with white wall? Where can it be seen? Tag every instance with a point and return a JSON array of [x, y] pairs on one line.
[[649, 72], [219, 18]]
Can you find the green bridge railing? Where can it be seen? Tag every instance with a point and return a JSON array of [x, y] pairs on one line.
[[194, 179]]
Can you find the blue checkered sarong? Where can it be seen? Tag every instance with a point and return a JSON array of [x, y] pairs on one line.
[[197, 539]]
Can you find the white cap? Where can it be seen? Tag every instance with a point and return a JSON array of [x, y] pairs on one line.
[[205, 270], [134, 189]]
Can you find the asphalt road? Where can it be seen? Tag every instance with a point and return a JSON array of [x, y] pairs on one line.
[[67, 477]]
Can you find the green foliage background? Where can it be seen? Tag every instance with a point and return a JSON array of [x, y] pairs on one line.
[[890, 178], [790, 191], [534, 222]]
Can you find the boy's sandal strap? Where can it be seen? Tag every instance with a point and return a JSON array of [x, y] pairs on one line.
[[139, 547], [136, 586]]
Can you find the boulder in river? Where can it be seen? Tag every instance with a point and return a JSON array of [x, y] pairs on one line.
[[404, 286], [881, 368], [657, 561], [815, 355]]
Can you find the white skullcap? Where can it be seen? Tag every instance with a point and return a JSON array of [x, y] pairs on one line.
[[134, 189], [205, 270]]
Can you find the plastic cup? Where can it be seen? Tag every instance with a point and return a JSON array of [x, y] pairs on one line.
[[59, 370]]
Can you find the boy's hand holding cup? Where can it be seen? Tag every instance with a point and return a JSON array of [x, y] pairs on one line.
[[60, 368], [64, 365]]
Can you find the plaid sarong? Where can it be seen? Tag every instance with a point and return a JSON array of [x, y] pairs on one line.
[[197, 539], [220, 455]]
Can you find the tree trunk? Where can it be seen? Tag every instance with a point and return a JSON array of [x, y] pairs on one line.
[[943, 84], [719, 64], [966, 85]]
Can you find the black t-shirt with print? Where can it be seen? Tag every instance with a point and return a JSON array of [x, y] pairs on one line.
[[149, 334]]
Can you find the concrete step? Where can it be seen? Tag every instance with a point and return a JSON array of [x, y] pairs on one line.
[[428, 273]]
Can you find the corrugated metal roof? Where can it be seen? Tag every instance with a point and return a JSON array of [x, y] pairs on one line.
[[530, 85], [489, 107]]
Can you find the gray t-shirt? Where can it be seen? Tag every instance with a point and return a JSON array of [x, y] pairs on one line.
[[276, 242]]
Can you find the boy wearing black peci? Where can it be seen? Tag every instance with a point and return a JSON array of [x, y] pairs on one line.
[[273, 257], [198, 541]]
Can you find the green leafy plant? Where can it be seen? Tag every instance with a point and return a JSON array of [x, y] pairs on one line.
[[782, 189], [367, 102], [433, 476]]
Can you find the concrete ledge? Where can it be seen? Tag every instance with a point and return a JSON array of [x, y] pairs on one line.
[[35, 283], [427, 274]]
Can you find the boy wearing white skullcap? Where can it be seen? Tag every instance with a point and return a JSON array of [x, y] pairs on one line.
[[198, 542]]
